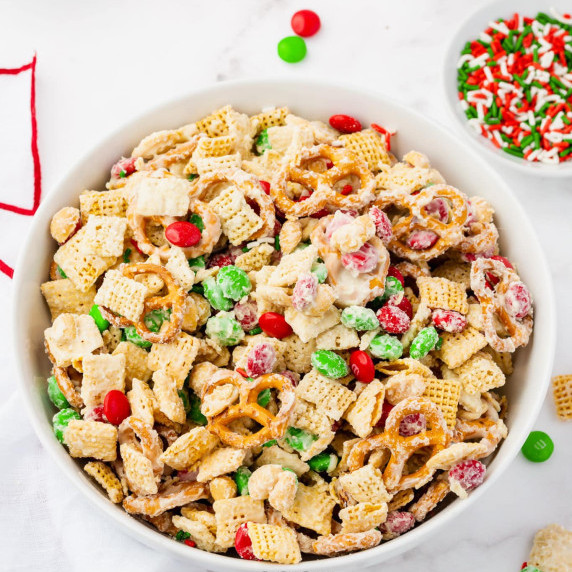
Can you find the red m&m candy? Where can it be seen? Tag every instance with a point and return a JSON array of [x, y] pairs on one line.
[[345, 123], [116, 407], [362, 366], [305, 23], [274, 325], [183, 234], [243, 543]]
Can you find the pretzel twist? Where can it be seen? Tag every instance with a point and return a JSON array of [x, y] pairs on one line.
[[174, 299], [401, 448], [322, 184], [273, 426], [493, 308], [135, 431], [490, 433], [67, 387]]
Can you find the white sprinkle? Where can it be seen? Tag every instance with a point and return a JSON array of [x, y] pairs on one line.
[[546, 59], [464, 58], [531, 119], [484, 37], [489, 74]]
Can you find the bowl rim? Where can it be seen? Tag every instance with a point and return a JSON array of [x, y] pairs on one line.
[[144, 533], [448, 69]]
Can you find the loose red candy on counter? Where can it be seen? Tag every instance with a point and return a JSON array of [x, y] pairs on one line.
[[305, 23], [363, 260], [274, 325], [265, 186], [412, 424], [393, 320], [517, 300], [469, 474], [392, 271], [183, 234], [449, 321], [422, 239], [383, 228], [362, 366], [345, 123], [243, 544], [116, 406]]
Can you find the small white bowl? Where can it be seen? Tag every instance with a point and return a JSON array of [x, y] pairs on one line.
[[460, 165], [468, 31]]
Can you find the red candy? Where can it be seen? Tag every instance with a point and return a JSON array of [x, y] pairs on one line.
[[491, 278], [220, 260], [321, 213], [449, 321], [383, 227], [345, 123], [398, 522], [96, 414], [123, 168], [517, 300], [504, 260], [385, 411], [116, 406], [261, 359], [305, 23], [422, 239], [469, 474], [183, 234], [392, 271], [412, 424], [292, 376], [190, 542], [274, 325], [362, 367], [393, 319], [439, 209], [136, 246], [305, 291], [363, 260], [265, 186], [347, 190], [243, 544], [404, 305], [246, 315]]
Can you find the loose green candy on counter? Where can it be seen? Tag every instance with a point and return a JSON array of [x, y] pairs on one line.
[[320, 271], [262, 142], [224, 329], [213, 293], [324, 462], [55, 393], [101, 323], [197, 263], [233, 282], [155, 318], [263, 398], [359, 318], [195, 413], [424, 342], [185, 399], [132, 336], [197, 221], [386, 347], [299, 439], [292, 49], [60, 422], [330, 364], [538, 447], [241, 478]]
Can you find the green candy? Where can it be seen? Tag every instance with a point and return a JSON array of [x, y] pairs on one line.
[[531, 569], [263, 398], [323, 462], [213, 293], [132, 336], [320, 271], [101, 323], [423, 342], [330, 364], [269, 443], [439, 344], [55, 394], [127, 255], [192, 176], [233, 282], [224, 329], [60, 422], [197, 263], [359, 318], [241, 478], [386, 347], [185, 399], [255, 331], [198, 289], [194, 413], [197, 221], [538, 447], [292, 49], [182, 536], [155, 318], [299, 439], [262, 142], [392, 286]]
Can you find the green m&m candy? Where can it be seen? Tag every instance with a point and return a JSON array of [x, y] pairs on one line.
[[224, 329], [263, 398], [262, 143], [197, 221], [155, 318], [213, 293], [194, 413], [330, 364], [320, 271], [55, 394], [60, 422], [530, 569], [131, 335], [538, 447], [233, 282], [359, 318], [299, 439], [392, 286], [241, 478], [386, 347], [185, 399], [324, 462], [197, 263], [423, 342], [101, 323], [292, 49]]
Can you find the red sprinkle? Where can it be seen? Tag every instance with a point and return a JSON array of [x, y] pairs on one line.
[[345, 123], [469, 474], [305, 23], [136, 246], [123, 168], [241, 371], [449, 321], [243, 544], [362, 366], [274, 325], [265, 186], [347, 190], [116, 406], [190, 542], [393, 320], [183, 234]]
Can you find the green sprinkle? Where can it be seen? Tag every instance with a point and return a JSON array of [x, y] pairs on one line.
[[262, 143], [197, 263], [101, 323], [55, 394], [132, 336], [60, 422], [255, 331], [181, 536], [263, 398], [241, 478], [194, 413], [61, 272], [192, 176], [127, 255], [245, 249], [122, 174], [513, 151], [277, 243], [299, 439], [197, 221]]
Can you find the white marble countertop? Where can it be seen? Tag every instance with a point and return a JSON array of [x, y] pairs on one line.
[[102, 63]]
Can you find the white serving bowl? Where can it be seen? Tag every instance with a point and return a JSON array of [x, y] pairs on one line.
[[468, 31], [460, 165]]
